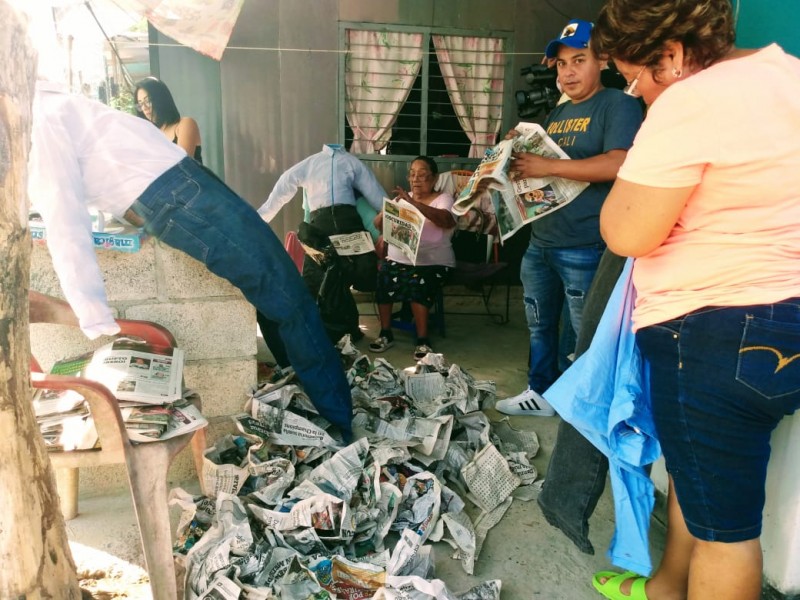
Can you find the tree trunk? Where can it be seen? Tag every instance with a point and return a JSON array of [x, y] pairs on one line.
[[34, 553]]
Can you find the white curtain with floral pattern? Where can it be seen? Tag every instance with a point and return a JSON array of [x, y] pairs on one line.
[[473, 69], [204, 25], [380, 69]]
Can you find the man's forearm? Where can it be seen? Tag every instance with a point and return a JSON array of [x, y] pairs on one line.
[[596, 169]]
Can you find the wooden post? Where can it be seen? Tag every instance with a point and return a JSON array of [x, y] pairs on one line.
[[34, 551]]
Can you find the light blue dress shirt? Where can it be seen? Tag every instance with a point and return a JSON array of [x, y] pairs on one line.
[[604, 395], [330, 178]]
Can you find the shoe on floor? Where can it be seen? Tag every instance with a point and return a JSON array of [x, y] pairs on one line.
[[611, 588], [281, 373], [528, 403], [422, 351], [272, 375], [380, 344]]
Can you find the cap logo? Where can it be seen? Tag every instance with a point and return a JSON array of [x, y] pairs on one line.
[[569, 31]]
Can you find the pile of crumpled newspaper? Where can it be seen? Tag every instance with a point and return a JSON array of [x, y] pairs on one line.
[[292, 513]]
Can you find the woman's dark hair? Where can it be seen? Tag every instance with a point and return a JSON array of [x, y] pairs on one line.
[[637, 31], [163, 106], [434, 168]]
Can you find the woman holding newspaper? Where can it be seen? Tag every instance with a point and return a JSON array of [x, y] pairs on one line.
[[710, 211], [418, 281]]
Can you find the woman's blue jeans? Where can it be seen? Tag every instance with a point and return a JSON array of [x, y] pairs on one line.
[[548, 276], [190, 209]]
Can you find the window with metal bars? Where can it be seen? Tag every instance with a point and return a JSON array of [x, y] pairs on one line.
[[422, 92]]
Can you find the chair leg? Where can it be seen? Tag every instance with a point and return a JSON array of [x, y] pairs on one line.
[[198, 450], [148, 480], [486, 296], [67, 484]]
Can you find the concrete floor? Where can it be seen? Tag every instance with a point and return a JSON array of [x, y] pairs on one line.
[[532, 559]]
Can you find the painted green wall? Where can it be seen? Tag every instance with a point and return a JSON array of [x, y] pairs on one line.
[[762, 22]]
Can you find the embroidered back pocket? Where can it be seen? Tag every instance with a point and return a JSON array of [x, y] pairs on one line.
[[769, 357]]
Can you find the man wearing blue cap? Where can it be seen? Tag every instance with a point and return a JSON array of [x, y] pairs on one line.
[[595, 128]]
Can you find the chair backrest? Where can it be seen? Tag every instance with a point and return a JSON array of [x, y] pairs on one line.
[[295, 249], [47, 309], [460, 178], [453, 181]]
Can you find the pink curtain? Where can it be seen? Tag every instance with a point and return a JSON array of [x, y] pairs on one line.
[[380, 69], [473, 70]]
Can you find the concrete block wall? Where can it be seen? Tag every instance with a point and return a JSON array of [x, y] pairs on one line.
[[209, 318]]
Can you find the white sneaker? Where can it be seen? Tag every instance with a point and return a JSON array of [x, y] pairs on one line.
[[528, 403]]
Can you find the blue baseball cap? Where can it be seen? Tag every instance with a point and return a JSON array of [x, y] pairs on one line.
[[575, 35]]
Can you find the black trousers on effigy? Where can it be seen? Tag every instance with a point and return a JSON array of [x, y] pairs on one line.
[[576, 474]]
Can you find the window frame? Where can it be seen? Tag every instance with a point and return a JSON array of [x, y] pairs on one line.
[[427, 32]]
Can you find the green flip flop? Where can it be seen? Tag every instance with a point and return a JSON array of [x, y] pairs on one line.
[[611, 588]]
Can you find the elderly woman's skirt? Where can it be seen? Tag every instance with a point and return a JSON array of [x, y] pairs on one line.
[[398, 282]]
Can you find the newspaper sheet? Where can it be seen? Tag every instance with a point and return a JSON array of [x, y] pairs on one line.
[[402, 226], [463, 532], [419, 433], [222, 589], [426, 389], [223, 468], [131, 370], [417, 588], [489, 478], [296, 527], [66, 423], [518, 201], [64, 420], [350, 244], [348, 580], [159, 423], [53, 402], [74, 430], [283, 427]]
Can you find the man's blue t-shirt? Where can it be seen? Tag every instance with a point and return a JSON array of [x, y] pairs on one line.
[[607, 121]]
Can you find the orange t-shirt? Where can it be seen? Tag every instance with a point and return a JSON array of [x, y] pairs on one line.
[[733, 131]]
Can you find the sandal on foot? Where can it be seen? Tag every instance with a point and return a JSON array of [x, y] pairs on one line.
[[381, 344], [422, 351], [611, 588]]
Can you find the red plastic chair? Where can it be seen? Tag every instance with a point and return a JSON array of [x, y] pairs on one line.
[[146, 464], [295, 249]]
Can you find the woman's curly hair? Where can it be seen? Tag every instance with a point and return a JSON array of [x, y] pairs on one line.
[[637, 31]]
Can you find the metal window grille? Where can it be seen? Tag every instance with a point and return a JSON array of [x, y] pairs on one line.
[[427, 122]]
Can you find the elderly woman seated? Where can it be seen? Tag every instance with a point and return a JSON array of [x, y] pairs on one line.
[[420, 283]]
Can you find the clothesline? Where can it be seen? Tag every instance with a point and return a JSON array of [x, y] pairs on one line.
[[313, 50]]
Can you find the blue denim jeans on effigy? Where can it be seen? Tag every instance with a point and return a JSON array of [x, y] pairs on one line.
[[721, 380], [191, 210], [548, 276]]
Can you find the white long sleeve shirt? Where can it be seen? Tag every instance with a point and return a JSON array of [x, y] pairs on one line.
[[329, 178], [86, 155]]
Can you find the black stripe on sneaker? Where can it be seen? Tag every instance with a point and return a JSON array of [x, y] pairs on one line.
[[530, 405]]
